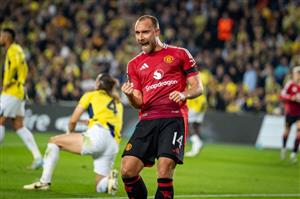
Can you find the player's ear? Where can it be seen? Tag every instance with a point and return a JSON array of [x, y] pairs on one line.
[[157, 32]]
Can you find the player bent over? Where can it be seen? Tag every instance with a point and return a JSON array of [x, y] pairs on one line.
[[100, 140]]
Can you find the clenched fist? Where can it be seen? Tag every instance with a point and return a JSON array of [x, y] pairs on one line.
[[177, 96], [127, 88]]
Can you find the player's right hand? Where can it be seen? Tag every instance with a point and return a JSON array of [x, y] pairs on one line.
[[127, 88]]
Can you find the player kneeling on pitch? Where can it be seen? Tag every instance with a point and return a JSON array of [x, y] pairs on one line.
[[100, 140]]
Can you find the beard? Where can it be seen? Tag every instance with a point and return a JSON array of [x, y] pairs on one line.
[[148, 47]]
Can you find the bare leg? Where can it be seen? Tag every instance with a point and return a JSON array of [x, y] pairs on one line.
[[285, 136], [134, 185], [195, 139], [165, 171], [67, 142], [293, 155]]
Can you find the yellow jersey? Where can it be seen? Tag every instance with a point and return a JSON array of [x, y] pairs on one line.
[[15, 72], [103, 110], [199, 103]]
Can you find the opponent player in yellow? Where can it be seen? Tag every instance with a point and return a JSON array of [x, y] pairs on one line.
[[197, 108], [100, 140], [12, 100]]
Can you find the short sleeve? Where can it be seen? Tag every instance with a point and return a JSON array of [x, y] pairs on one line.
[[133, 78], [85, 100], [189, 64]]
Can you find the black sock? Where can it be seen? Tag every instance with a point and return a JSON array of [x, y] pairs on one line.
[[135, 187], [165, 189], [284, 141], [296, 145]]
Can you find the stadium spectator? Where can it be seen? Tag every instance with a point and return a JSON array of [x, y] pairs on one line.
[[290, 95], [158, 78], [225, 26], [13, 94], [100, 140]]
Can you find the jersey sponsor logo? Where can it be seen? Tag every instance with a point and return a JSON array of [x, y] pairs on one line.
[[168, 59], [158, 74], [144, 66], [128, 147], [160, 84]]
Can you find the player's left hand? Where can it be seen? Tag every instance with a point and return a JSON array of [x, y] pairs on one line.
[[177, 96]]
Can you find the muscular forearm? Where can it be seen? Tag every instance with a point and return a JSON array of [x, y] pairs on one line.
[[134, 96], [193, 93], [135, 101]]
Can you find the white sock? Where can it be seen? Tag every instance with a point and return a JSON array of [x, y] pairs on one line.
[[2, 133], [102, 185], [50, 159], [29, 141], [196, 143]]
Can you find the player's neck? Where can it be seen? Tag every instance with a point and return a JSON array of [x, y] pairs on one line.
[[7, 45], [159, 45]]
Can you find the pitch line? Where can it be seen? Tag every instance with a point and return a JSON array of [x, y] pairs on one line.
[[254, 195]]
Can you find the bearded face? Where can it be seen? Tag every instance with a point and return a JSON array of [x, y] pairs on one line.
[[145, 34]]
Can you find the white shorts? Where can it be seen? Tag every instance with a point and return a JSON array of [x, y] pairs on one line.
[[195, 117], [99, 143], [10, 106]]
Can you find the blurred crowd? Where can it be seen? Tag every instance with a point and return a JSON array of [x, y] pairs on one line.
[[244, 48]]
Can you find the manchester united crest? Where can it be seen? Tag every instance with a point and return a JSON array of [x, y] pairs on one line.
[[168, 59], [128, 147]]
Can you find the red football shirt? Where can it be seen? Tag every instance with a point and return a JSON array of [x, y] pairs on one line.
[[291, 89], [158, 74]]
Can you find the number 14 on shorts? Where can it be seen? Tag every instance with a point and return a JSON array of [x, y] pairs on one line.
[[178, 140]]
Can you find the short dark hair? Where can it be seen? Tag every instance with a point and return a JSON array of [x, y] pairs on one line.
[[152, 18], [11, 32]]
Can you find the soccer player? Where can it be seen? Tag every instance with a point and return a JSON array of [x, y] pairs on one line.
[[100, 140], [197, 108], [161, 78], [290, 95], [12, 99]]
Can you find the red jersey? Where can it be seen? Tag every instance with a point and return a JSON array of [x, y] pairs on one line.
[[290, 90], [158, 74]]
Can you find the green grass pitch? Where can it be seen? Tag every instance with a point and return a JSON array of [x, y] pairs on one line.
[[220, 171]]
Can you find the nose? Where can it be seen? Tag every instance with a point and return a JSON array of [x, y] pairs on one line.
[[140, 36]]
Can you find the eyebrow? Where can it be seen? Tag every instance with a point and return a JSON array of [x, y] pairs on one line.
[[143, 31]]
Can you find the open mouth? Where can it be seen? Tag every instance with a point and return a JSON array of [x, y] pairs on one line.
[[145, 44]]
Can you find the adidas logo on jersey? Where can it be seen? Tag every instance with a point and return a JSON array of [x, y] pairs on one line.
[[144, 66]]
